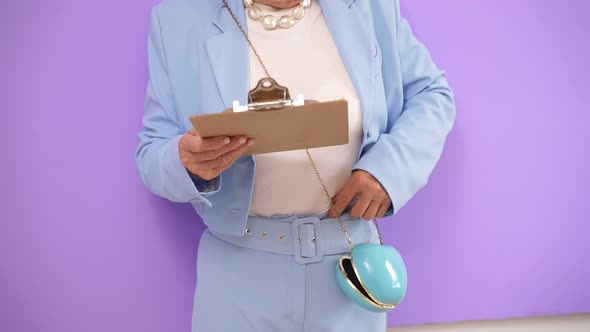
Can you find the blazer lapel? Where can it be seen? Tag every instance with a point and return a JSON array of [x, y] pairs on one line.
[[228, 55], [356, 47]]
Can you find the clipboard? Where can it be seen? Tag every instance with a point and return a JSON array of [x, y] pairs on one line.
[[278, 123]]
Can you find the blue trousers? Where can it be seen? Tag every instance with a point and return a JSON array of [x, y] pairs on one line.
[[240, 288]]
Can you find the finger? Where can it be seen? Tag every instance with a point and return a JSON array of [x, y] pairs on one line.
[[220, 169], [361, 205], [213, 143], [190, 143], [224, 160], [343, 199], [230, 158], [234, 154], [371, 210], [235, 142], [218, 162], [383, 209]]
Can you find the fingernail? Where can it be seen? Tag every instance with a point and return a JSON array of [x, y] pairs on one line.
[[242, 140], [226, 140], [251, 142]]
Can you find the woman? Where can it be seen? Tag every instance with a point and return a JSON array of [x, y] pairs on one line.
[[267, 259]]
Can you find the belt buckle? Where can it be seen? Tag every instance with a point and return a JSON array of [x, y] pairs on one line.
[[307, 245]]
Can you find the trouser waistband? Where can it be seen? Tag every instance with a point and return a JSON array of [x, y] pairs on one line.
[[308, 238]]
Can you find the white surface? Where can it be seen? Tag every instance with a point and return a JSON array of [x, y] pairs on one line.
[[568, 323]]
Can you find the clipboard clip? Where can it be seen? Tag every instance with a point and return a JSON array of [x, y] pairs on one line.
[[268, 95]]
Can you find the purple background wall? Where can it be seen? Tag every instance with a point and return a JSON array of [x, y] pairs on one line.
[[500, 231]]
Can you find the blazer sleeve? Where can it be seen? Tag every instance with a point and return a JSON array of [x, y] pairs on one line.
[[157, 154], [403, 158]]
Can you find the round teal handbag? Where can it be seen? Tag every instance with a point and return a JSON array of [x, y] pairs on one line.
[[373, 275]]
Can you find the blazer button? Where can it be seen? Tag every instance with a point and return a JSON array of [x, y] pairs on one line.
[[368, 134]]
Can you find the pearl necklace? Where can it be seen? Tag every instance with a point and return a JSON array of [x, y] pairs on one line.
[[271, 22]]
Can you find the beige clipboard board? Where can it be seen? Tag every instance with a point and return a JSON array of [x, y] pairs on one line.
[[311, 125]]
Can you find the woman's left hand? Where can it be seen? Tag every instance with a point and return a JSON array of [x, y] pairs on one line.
[[373, 200]]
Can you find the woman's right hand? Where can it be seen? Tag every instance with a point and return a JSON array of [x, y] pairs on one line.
[[208, 157]]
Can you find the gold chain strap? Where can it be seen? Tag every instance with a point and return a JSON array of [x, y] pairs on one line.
[[344, 230], [247, 39]]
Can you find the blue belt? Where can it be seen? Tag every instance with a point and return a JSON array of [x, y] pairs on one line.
[[308, 238]]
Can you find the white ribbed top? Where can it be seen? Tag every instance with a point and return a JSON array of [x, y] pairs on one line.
[[305, 59]]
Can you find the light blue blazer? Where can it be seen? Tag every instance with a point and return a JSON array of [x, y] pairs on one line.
[[198, 63]]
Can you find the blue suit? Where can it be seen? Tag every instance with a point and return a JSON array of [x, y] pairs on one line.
[[198, 63]]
